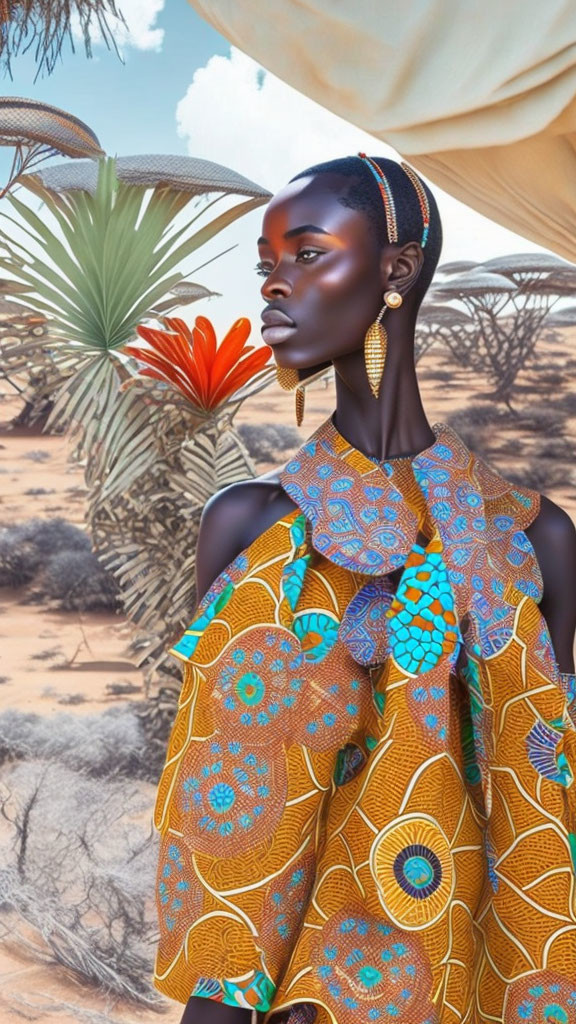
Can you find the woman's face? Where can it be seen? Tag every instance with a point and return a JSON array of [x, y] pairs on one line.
[[322, 269]]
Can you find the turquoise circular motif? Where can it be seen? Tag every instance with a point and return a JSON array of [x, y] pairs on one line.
[[554, 1014], [221, 798], [258, 685], [411, 857], [545, 997], [229, 796], [250, 688], [371, 971], [317, 633], [418, 871], [369, 976], [468, 497]]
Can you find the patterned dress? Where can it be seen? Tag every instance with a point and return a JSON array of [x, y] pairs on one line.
[[368, 808]]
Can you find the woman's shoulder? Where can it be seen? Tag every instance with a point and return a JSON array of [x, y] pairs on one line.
[[552, 534], [233, 518], [553, 537]]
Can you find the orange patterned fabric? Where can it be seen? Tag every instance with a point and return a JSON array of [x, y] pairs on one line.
[[367, 810]]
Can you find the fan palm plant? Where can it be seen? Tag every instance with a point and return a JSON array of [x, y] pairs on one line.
[[113, 258], [150, 459]]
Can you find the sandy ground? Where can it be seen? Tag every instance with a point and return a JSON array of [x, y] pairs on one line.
[[52, 660]]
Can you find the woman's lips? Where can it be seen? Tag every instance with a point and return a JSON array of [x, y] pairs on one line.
[[274, 333]]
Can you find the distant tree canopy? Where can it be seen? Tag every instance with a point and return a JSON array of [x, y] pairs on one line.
[[490, 315]]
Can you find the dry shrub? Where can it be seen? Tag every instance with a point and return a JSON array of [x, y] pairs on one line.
[[38, 455], [538, 473], [542, 418], [265, 440], [558, 448], [567, 403], [76, 580], [25, 547], [111, 742], [57, 556], [78, 858]]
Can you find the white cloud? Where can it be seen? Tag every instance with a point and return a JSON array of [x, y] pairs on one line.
[[237, 113], [139, 31]]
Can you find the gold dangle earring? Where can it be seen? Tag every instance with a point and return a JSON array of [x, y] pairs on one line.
[[289, 379], [376, 342]]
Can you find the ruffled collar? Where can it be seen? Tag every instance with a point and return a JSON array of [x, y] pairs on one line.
[[366, 514]]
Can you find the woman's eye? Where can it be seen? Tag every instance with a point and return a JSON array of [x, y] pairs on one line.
[[308, 252], [264, 270]]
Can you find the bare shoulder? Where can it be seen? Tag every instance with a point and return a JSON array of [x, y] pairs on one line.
[[552, 530], [553, 537], [232, 519]]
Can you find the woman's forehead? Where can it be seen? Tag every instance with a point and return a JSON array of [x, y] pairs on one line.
[[310, 200], [311, 188]]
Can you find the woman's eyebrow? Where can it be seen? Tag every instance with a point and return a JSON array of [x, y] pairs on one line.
[[311, 229]]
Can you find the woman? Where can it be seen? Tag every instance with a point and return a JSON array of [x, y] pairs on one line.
[[368, 808]]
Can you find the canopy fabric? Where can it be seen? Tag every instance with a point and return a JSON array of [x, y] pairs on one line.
[[479, 97]]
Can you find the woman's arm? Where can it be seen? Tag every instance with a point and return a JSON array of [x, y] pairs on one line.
[[221, 533], [221, 537], [231, 520], [553, 537]]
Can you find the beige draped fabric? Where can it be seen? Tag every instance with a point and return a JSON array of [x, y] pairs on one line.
[[478, 96]]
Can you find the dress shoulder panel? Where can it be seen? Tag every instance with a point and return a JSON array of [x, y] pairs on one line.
[[504, 497], [279, 542]]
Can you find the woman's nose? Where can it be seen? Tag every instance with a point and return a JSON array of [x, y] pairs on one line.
[[276, 284]]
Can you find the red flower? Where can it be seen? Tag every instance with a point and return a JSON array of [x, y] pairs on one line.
[[206, 373]]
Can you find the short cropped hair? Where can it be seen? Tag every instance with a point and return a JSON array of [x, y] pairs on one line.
[[364, 195]]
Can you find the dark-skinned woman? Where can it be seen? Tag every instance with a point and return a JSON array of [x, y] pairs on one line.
[[368, 808]]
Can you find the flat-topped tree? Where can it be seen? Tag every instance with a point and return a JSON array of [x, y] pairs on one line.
[[509, 299], [483, 295], [38, 131], [445, 323], [562, 318], [521, 266], [456, 267]]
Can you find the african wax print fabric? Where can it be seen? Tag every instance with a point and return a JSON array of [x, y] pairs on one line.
[[367, 810]]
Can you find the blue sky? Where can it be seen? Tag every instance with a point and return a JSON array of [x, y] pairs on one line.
[[183, 89], [130, 106]]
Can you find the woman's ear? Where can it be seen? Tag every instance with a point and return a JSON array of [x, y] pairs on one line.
[[402, 266]]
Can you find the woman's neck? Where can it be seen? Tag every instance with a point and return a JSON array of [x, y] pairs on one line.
[[393, 424]]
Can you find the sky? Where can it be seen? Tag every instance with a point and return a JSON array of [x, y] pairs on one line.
[[181, 88]]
